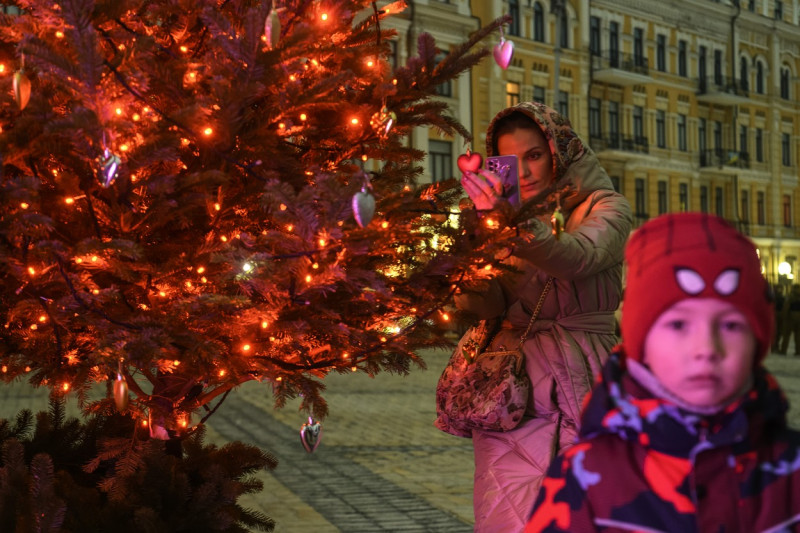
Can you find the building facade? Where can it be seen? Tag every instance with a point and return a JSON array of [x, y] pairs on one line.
[[691, 105]]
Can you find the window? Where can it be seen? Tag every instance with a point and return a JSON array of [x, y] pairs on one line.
[[444, 88], [682, 58], [778, 10], [786, 155], [787, 210], [613, 44], [761, 209], [613, 124], [682, 133], [719, 202], [785, 83], [751, 6], [661, 52], [615, 182], [638, 48], [662, 197], [743, 138], [759, 78], [641, 207], [441, 158], [594, 118], [718, 136], [538, 22], [683, 197], [701, 135], [564, 30], [704, 199], [513, 10], [594, 36], [538, 94], [745, 214], [661, 129], [701, 65], [759, 145], [563, 103], [743, 74], [718, 67], [393, 54], [512, 93], [638, 123]]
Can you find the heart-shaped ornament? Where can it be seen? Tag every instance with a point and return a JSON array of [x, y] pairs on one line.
[[470, 162], [503, 51], [363, 207], [310, 434]]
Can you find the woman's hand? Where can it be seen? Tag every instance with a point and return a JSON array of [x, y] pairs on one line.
[[484, 188]]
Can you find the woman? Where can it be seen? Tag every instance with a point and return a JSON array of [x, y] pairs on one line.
[[575, 330]]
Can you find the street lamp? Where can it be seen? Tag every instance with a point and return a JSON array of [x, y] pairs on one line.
[[785, 269]]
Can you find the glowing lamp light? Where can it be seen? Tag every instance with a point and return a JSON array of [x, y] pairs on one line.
[[308, 278], [246, 348], [264, 324], [176, 363], [784, 268], [59, 34], [124, 148], [144, 423], [42, 318], [136, 117], [364, 157], [201, 269], [370, 63], [384, 224], [184, 49], [282, 207], [217, 207], [65, 387], [445, 317], [247, 267], [2, 68], [24, 205], [96, 291], [34, 327], [221, 373], [303, 116], [5, 369], [69, 200], [31, 271], [487, 267], [354, 121], [324, 16], [208, 131]]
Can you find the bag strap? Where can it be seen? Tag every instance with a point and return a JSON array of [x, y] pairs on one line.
[[536, 311]]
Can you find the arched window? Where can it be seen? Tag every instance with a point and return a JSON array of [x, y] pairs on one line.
[[785, 83], [743, 74], [760, 77], [564, 30], [538, 22]]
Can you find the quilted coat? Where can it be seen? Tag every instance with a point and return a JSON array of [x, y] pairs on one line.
[[575, 330], [645, 463]]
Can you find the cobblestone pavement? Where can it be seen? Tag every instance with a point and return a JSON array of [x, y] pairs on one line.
[[380, 465]]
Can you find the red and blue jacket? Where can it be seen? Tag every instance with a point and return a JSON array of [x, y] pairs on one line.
[[644, 464]]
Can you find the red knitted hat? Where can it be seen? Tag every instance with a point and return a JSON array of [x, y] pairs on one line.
[[692, 255]]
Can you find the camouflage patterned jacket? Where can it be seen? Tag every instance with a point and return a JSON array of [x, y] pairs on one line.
[[645, 464]]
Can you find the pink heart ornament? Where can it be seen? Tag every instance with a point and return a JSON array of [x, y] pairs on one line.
[[310, 434], [503, 51], [469, 162]]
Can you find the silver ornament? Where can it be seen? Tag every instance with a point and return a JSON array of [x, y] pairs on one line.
[[363, 206], [108, 165], [382, 121]]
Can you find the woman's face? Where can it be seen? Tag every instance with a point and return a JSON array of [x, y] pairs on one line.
[[535, 160]]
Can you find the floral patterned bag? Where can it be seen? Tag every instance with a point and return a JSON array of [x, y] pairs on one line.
[[481, 390]]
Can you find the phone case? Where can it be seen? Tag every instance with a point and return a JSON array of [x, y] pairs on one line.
[[506, 166]]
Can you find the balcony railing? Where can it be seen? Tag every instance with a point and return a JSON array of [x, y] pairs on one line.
[[720, 85], [617, 141], [627, 62], [720, 157]]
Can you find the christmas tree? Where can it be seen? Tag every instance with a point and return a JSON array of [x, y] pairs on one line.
[[200, 193]]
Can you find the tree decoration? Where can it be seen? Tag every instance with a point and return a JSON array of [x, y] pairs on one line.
[[310, 434], [22, 88], [557, 222], [503, 51], [470, 161], [272, 28], [121, 391], [107, 167], [364, 203], [382, 121]]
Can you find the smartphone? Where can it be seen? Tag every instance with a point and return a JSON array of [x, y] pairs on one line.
[[506, 167]]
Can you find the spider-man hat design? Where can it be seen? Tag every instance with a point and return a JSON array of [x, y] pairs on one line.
[[692, 255]]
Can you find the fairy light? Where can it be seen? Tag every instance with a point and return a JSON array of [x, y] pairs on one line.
[[322, 243], [34, 327], [281, 125], [384, 224], [204, 280], [346, 355], [69, 200], [59, 34], [144, 423], [94, 259], [221, 373], [246, 348], [223, 238], [176, 363], [491, 222], [324, 16], [136, 117], [487, 267], [31, 271], [217, 207], [185, 141], [162, 293], [118, 111], [370, 63], [24, 205], [2, 68], [247, 267], [96, 291], [364, 157], [201, 269], [445, 317], [354, 121], [315, 266], [308, 278], [279, 378], [42, 318], [5, 369], [383, 339], [124, 147], [292, 77], [303, 116], [289, 227], [188, 284], [184, 49], [282, 207], [208, 131], [27, 369], [65, 387]]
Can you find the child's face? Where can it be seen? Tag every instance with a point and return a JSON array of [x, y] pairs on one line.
[[701, 350]]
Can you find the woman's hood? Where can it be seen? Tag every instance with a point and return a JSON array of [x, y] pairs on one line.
[[575, 166]]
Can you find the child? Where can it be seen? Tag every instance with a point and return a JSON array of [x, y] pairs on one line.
[[686, 432]]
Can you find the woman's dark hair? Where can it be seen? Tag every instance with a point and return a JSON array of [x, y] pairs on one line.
[[510, 123]]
